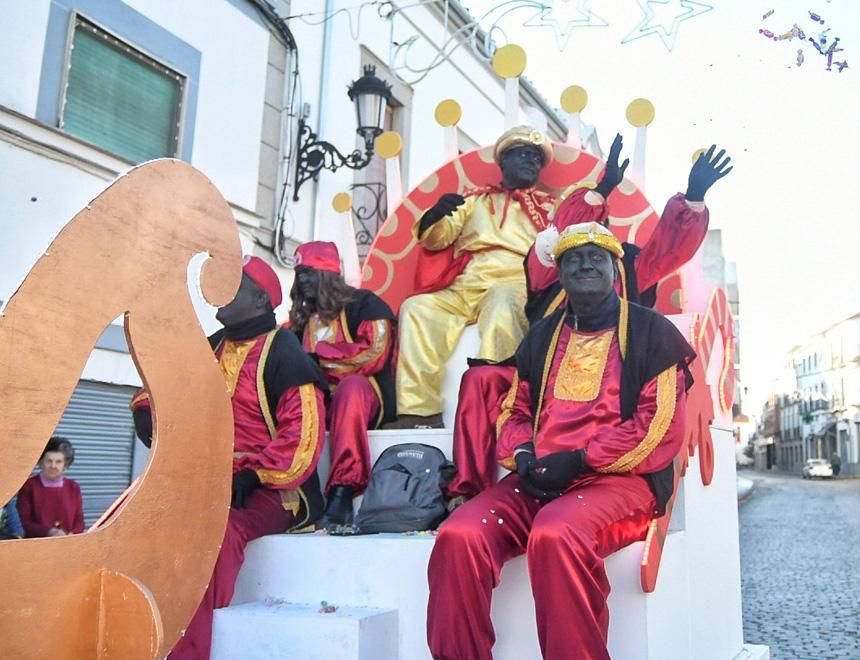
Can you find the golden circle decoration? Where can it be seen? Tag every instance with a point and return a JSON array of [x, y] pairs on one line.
[[448, 113], [342, 202], [640, 112], [698, 152], [388, 145], [509, 61], [574, 99]]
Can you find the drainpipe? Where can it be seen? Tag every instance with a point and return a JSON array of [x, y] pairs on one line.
[[321, 105]]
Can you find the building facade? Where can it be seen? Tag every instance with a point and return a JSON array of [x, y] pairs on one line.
[[819, 410], [90, 88]]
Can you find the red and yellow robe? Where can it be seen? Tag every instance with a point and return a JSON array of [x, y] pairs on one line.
[[278, 398]]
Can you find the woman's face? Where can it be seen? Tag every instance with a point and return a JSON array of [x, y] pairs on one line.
[[53, 465]]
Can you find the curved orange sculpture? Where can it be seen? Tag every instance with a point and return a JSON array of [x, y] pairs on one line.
[[390, 267], [127, 589]]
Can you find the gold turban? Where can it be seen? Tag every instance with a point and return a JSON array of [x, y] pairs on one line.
[[574, 236], [523, 135]]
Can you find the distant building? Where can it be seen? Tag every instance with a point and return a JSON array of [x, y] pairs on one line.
[[819, 406]]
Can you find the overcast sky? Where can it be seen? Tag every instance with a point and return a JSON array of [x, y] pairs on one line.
[[788, 210]]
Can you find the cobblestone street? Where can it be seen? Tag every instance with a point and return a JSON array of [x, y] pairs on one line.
[[800, 567]]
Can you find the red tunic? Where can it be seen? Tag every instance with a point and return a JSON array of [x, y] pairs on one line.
[[283, 450], [285, 458], [581, 408], [42, 508]]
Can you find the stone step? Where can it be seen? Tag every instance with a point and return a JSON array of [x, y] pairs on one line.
[[274, 628], [390, 571]]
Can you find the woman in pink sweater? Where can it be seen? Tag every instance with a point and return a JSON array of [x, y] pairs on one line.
[[49, 503]]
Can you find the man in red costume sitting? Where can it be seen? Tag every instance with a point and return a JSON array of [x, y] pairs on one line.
[[676, 238], [592, 427], [350, 332], [278, 397]]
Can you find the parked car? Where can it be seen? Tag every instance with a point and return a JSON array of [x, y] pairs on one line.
[[817, 467]]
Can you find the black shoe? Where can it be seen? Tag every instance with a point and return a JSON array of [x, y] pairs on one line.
[[338, 510]]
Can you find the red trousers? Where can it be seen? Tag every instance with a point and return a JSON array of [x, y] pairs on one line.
[[263, 514], [482, 390], [565, 542], [354, 409]]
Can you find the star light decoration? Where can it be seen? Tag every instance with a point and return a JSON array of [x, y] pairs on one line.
[[671, 13], [565, 16]]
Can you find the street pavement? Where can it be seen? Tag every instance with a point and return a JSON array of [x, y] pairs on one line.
[[800, 566]]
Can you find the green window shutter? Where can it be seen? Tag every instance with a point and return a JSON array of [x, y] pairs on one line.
[[120, 100]]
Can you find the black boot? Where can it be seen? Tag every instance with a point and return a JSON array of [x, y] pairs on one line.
[[338, 510]]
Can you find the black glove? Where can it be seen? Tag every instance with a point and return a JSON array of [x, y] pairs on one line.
[[613, 174], [555, 471], [524, 460], [445, 206], [706, 171], [244, 481]]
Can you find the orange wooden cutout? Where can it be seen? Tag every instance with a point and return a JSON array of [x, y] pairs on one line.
[[127, 252]]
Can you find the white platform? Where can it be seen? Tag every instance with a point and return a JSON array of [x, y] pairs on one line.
[[290, 631], [695, 611]]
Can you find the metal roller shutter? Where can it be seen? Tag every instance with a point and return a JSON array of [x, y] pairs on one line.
[[98, 423]]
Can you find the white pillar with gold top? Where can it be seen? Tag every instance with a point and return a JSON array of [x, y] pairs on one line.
[[388, 147], [448, 114], [640, 113], [342, 204], [509, 62], [573, 101]]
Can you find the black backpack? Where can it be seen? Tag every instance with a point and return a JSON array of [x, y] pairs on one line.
[[405, 490]]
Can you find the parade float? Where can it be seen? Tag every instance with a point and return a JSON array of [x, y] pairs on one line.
[[129, 586]]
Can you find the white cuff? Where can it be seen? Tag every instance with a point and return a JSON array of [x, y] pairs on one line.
[[593, 198], [698, 207]]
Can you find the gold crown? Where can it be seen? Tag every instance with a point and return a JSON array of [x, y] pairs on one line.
[[575, 236]]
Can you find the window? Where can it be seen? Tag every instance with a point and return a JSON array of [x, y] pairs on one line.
[[118, 98]]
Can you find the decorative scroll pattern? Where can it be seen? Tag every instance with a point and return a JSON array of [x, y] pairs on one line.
[[370, 206]]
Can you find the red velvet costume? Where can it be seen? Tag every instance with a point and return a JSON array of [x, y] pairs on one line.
[[278, 397], [628, 416], [42, 508], [357, 365], [355, 350], [675, 240]]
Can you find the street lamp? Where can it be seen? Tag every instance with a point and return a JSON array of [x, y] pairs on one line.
[[371, 96]]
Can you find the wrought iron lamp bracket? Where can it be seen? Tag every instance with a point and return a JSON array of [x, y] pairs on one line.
[[315, 155]]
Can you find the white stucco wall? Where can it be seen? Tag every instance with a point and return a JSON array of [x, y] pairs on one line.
[[229, 112], [22, 39], [462, 77]]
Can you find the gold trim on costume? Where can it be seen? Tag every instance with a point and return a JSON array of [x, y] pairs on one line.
[[556, 303], [262, 397], [378, 391], [344, 322], [580, 373], [667, 382], [508, 404], [307, 442], [232, 359], [547, 366], [378, 345]]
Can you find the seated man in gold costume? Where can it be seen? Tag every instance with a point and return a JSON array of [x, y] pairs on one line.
[[488, 231]]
